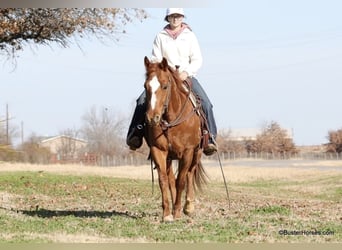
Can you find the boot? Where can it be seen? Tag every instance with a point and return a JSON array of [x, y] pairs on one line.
[[135, 137], [209, 146]]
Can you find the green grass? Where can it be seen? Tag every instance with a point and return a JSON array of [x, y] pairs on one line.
[[265, 210], [38, 207]]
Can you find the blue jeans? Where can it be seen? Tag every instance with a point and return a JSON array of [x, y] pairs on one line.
[[138, 118], [206, 106]]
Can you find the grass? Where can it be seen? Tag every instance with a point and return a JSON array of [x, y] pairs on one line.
[[265, 210], [49, 207]]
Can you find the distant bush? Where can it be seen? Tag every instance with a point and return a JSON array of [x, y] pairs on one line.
[[335, 141], [8, 154]]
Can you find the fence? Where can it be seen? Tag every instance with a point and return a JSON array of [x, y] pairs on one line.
[[107, 161], [281, 156], [136, 160]]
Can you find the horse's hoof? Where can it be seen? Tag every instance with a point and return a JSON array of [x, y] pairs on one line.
[[189, 208], [168, 219]]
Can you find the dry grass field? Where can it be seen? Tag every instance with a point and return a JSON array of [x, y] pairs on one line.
[[235, 171], [270, 201]]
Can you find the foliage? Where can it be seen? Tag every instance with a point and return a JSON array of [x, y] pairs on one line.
[[19, 26], [7, 153], [335, 141], [273, 139], [226, 143], [33, 153]]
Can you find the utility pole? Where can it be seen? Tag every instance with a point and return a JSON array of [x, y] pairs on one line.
[[7, 125], [22, 132], [6, 120]]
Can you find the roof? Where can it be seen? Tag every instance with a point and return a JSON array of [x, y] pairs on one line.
[[62, 136], [244, 133]]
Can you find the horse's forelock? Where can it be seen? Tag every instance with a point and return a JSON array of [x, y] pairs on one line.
[[155, 69]]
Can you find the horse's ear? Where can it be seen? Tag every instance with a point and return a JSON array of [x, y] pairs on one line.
[[164, 64], [146, 62]]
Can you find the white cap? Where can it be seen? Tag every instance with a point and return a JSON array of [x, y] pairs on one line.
[[170, 11]]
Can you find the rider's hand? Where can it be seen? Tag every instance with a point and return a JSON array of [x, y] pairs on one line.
[[183, 75]]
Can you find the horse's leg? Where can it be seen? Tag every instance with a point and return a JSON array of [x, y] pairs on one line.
[[189, 207], [172, 181], [183, 169], [159, 158], [196, 176]]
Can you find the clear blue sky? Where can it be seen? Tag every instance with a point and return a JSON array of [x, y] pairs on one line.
[[263, 61]]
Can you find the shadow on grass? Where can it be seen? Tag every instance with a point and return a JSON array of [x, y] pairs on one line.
[[46, 213]]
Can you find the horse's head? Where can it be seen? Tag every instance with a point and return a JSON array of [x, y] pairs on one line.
[[158, 88]]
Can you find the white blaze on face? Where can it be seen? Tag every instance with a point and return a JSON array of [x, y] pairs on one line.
[[154, 84]]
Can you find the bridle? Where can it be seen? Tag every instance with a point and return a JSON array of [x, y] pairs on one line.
[[180, 117]]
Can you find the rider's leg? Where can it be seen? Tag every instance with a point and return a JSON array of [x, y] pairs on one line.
[[208, 110], [136, 129]]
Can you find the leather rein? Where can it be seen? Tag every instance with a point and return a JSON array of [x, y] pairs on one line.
[[180, 117]]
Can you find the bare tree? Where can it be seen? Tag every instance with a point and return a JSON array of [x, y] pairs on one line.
[[20, 26], [228, 144], [8, 134], [335, 141], [33, 153], [103, 129], [273, 139], [71, 147]]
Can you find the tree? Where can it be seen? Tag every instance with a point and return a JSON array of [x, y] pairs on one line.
[[70, 147], [227, 144], [273, 139], [20, 26], [8, 134], [103, 129], [335, 141], [33, 153]]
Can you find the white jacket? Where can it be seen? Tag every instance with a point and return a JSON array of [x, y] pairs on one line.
[[183, 51]]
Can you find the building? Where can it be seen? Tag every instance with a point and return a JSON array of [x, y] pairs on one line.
[[249, 134], [64, 148]]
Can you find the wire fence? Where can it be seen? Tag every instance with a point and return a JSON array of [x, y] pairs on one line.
[[281, 156], [135, 160]]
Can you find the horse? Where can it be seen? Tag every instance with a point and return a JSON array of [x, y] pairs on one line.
[[173, 132]]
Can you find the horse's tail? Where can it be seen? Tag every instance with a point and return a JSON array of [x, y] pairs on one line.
[[200, 176]]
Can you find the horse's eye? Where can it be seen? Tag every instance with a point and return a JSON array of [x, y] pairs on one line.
[[164, 87]]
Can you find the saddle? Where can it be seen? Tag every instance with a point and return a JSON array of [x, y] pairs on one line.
[[196, 102]]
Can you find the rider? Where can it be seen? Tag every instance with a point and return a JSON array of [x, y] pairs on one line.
[[179, 45]]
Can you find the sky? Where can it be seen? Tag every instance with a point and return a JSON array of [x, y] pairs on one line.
[[263, 61]]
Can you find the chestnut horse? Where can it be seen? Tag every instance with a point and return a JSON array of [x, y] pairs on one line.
[[173, 133]]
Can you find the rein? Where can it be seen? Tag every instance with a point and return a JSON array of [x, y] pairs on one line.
[[180, 118]]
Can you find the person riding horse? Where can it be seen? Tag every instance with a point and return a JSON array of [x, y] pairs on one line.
[[173, 133], [179, 45]]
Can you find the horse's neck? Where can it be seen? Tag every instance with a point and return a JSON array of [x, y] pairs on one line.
[[177, 100]]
